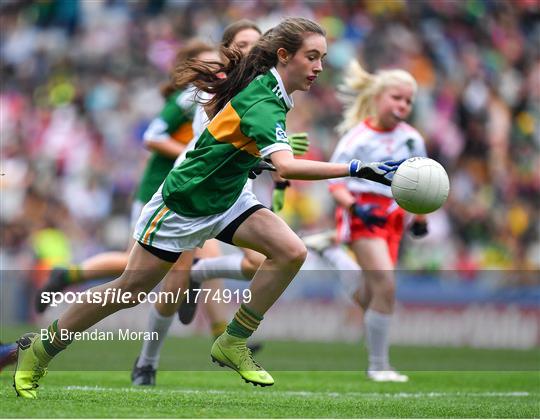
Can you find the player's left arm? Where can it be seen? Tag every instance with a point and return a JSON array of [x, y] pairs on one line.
[[290, 168], [265, 123]]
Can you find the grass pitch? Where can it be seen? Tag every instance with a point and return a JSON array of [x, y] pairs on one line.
[[328, 381]]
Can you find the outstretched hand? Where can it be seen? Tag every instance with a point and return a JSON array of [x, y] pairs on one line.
[[381, 172]]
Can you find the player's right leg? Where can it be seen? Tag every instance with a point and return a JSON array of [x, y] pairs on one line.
[[211, 263], [143, 272], [285, 253]]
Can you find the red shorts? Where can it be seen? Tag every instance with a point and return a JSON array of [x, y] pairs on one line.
[[351, 228]]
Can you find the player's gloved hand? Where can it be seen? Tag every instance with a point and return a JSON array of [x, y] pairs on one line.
[[299, 143], [278, 195], [419, 229], [381, 172], [366, 213], [259, 167]]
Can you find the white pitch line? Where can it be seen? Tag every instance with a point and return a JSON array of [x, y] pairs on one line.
[[306, 393]]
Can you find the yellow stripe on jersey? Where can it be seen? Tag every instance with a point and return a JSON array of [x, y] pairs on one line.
[[225, 128]]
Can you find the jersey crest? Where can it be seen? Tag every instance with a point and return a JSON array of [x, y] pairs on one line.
[[281, 135]]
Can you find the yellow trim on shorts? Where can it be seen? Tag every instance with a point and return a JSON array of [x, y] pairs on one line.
[[154, 223]]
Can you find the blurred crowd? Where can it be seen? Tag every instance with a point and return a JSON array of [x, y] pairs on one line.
[[80, 82]]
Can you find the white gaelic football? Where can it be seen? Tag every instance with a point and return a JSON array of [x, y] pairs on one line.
[[420, 185]]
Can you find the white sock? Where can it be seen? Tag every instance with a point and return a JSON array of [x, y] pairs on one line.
[[377, 327], [227, 267], [340, 259], [349, 270], [152, 348]]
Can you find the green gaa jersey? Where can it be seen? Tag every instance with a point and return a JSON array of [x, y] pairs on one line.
[[174, 122], [251, 126]]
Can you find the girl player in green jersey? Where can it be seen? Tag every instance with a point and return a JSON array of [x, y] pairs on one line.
[[204, 198], [166, 137], [241, 35]]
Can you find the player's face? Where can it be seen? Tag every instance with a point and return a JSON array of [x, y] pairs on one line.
[[245, 40], [394, 104], [302, 68]]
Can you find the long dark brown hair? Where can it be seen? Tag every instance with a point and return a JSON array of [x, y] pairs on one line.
[[189, 51], [241, 70]]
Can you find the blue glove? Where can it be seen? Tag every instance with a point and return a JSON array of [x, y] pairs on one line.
[[381, 172], [366, 213]]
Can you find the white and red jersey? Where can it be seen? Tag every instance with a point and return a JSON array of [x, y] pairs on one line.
[[370, 144]]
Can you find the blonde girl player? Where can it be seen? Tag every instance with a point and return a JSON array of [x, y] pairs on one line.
[[368, 220], [204, 198]]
